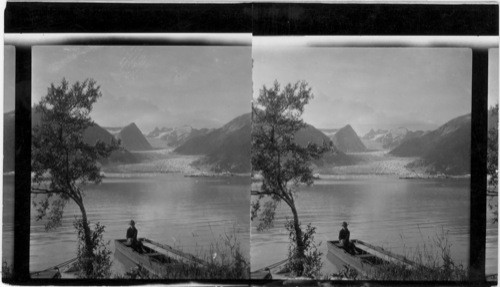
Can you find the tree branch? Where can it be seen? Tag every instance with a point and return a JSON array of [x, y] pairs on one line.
[[44, 191], [256, 192]]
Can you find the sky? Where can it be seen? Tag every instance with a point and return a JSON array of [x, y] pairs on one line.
[[416, 88], [9, 86], [493, 77], [208, 86], [164, 86]]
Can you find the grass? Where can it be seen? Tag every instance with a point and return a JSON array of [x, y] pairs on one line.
[[224, 260], [6, 270], [433, 263]]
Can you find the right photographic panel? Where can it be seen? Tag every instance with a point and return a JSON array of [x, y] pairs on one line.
[[492, 167], [361, 162]]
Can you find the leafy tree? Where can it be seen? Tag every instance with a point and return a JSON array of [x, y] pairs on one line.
[[311, 264], [6, 270], [101, 256], [62, 162], [492, 162], [283, 163]]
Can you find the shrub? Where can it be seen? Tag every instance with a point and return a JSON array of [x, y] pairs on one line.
[[224, 260], [309, 265], [100, 261], [433, 263], [6, 270]]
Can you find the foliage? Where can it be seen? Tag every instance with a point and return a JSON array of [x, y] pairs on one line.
[[224, 260], [433, 263], [492, 164], [347, 272], [493, 157], [62, 162], [311, 263], [6, 270], [100, 259], [283, 163]]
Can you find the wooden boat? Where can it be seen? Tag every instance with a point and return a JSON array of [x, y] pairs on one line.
[[51, 273], [155, 258], [274, 271], [367, 258], [64, 270], [279, 271]]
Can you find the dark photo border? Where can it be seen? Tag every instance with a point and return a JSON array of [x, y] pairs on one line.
[[261, 19]]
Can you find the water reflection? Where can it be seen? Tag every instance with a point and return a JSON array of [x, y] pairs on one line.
[[397, 214], [189, 213]]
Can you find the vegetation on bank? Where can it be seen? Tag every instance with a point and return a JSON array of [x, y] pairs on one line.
[[433, 262], [284, 164], [492, 162], [311, 264], [6, 270], [62, 164], [100, 260], [224, 260]]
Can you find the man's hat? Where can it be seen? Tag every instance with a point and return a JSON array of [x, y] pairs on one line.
[[344, 224], [132, 222]]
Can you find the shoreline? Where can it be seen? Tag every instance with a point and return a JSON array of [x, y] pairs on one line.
[[165, 161]]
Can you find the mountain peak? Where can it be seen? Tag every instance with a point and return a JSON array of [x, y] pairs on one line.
[[348, 127], [444, 150], [347, 140], [238, 123], [133, 139], [132, 125], [226, 148]]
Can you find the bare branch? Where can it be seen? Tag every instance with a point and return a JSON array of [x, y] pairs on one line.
[[35, 190], [256, 192]]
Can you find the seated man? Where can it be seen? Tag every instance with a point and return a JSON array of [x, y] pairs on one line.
[[344, 239], [132, 238]]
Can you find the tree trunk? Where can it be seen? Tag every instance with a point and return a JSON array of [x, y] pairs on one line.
[[88, 241], [299, 239]]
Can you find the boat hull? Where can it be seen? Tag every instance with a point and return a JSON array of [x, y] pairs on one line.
[[156, 258], [339, 257], [366, 260], [274, 271], [132, 259]]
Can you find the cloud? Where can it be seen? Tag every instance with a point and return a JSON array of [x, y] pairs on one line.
[[336, 112], [154, 85], [69, 55]]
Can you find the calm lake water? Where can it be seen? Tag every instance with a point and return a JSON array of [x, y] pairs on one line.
[[189, 213], [397, 214]]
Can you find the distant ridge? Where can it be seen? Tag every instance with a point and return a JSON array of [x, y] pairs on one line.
[[347, 140], [91, 136], [226, 148], [133, 139], [444, 150], [390, 139], [372, 134], [173, 137], [334, 157], [311, 134], [329, 132]]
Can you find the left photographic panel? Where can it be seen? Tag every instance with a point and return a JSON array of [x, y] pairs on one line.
[[9, 69], [140, 162]]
